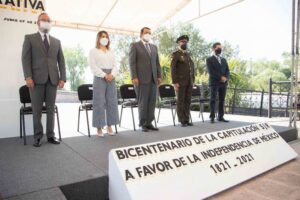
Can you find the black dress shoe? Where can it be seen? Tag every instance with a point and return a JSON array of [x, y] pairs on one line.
[[184, 125], [37, 143], [212, 120], [153, 128], [145, 129], [53, 140], [190, 124], [223, 120]]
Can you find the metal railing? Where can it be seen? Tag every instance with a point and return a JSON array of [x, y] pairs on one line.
[[239, 101], [280, 86], [255, 102]]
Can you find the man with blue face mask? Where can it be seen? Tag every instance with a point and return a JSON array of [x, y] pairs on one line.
[[44, 70], [183, 78]]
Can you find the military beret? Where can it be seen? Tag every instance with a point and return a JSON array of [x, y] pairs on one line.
[[183, 37]]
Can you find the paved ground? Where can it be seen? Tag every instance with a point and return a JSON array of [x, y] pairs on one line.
[[280, 183]]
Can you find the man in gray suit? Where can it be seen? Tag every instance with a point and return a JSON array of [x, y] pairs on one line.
[[44, 69], [145, 75]]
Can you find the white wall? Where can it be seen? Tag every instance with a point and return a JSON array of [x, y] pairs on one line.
[[11, 73]]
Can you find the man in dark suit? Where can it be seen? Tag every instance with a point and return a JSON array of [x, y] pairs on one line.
[[218, 71], [44, 69], [146, 75], [183, 78]]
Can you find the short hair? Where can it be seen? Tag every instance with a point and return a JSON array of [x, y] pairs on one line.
[[216, 44], [43, 13], [142, 30]]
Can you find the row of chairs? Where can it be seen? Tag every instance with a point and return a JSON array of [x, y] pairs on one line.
[[168, 99], [85, 96], [128, 100]]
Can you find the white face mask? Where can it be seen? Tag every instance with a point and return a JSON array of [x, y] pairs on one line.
[[147, 37], [103, 41], [45, 26]]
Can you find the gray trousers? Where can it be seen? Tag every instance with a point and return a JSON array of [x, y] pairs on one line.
[[146, 96], [38, 94], [105, 103]]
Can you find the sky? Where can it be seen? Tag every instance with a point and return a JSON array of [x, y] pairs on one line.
[[259, 28]]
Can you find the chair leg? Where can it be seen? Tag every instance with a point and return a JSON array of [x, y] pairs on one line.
[[200, 112], [58, 124], [116, 127], [87, 122], [121, 115], [78, 121], [158, 113], [133, 118], [173, 115], [155, 121], [24, 131], [200, 108], [217, 110], [21, 133]]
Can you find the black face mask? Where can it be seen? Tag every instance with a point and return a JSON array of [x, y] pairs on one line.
[[184, 46], [218, 51]]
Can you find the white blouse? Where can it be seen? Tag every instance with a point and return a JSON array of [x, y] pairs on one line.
[[99, 60]]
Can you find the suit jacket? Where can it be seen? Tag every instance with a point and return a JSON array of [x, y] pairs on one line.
[[143, 66], [40, 64], [214, 69], [182, 68]]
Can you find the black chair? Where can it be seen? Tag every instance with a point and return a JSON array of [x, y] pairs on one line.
[[129, 100], [85, 96], [167, 98], [27, 110], [198, 99]]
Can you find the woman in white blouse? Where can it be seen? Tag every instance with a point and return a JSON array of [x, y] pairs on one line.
[[103, 66]]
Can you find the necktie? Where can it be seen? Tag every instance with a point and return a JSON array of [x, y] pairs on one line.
[[46, 43], [219, 59], [148, 48]]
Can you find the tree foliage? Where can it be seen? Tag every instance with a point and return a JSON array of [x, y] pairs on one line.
[[76, 63], [245, 74]]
